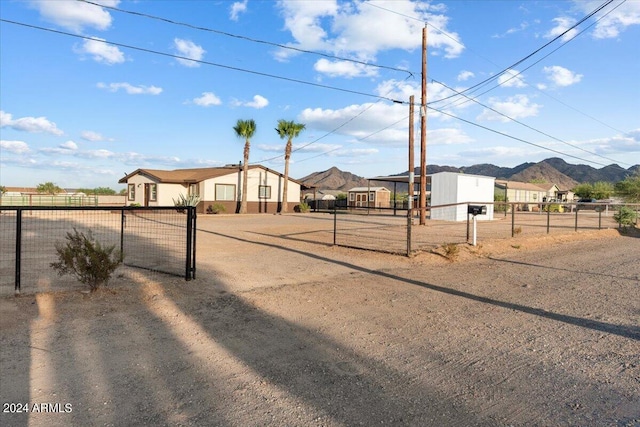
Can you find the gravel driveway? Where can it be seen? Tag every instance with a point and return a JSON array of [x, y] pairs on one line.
[[280, 328]]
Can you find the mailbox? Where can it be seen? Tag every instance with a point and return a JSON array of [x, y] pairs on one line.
[[477, 210]]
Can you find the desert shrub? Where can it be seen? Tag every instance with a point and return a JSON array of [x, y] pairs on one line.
[[625, 217], [85, 258], [517, 230], [190, 200], [216, 208], [451, 251], [302, 207]]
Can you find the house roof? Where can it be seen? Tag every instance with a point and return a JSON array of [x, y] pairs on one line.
[[368, 189], [195, 175], [515, 185]]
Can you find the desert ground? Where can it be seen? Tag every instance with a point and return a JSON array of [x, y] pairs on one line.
[[280, 327]]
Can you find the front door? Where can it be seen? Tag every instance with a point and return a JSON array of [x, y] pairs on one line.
[[147, 194], [361, 200]]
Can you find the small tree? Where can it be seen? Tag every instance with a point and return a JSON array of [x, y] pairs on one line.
[[48, 188], [629, 189], [625, 217], [602, 190], [584, 190], [84, 258], [3, 189]]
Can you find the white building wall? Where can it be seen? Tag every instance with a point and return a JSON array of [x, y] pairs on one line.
[[450, 188], [256, 177], [167, 193]]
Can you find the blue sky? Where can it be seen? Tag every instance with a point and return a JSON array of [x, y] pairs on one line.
[[113, 88]]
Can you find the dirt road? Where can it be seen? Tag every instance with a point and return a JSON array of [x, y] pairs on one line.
[[281, 329]]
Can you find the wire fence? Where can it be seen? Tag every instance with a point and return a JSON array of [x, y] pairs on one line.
[[158, 239], [390, 230]]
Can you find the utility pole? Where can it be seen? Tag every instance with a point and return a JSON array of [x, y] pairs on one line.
[[423, 133], [411, 175]]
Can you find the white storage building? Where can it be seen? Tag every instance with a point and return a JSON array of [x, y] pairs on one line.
[[450, 188]]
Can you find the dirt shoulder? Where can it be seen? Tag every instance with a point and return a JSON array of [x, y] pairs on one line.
[[280, 328]]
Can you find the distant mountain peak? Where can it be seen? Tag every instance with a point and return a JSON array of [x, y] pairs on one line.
[[553, 170]]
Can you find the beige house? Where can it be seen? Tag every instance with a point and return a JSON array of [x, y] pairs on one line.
[[216, 187], [527, 193], [373, 197]]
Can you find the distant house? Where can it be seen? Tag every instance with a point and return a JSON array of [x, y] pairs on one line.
[[220, 186], [525, 193], [373, 197]]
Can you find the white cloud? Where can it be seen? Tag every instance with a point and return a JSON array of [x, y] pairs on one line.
[[258, 102], [447, 136], [100, 51], [88, 135], [627, 143], [207, 99], [188, 49], [610, 26], [365, 126], [561, 76], [511, 78], [237, 8], [345, 29], [66, 148], [16, 147], [130, 89], [523, 26], [562, 24], [69, 145], [75, 15], [29, 124], [516, 107], [465, 75], [344, 69]]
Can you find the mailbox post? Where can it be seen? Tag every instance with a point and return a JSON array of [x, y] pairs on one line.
[[476, 210]]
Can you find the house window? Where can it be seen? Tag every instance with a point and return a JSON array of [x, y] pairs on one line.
[[372, 196], [225, 192], [194, 190], [352, 197], [153, 192], [131, 193], [264, 191]]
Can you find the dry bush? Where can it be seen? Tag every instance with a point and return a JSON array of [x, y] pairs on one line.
[[451, 251], [84, 258]]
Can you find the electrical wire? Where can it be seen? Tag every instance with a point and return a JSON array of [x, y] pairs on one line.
[[224, 33], [473, 88], [213, 64], [531, 127], [519, 73]]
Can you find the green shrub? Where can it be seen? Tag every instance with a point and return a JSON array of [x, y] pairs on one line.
[[84, 258], [216, 208], [625, 217], [302, 207], [190, 200]]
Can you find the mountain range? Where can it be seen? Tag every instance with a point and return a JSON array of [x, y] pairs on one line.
[[553, 170]]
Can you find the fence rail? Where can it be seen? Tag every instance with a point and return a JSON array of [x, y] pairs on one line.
[[393, 231], [157, 239]]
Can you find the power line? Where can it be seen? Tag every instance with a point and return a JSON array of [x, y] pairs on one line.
[[530, 127], [515, 64], [515, 138], [213, 64], [544, 92], [224, 33]]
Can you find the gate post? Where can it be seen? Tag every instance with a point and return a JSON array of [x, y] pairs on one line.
[[18, 249]]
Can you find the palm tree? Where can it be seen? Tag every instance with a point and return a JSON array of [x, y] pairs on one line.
[[287, 129], [245, 129]]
